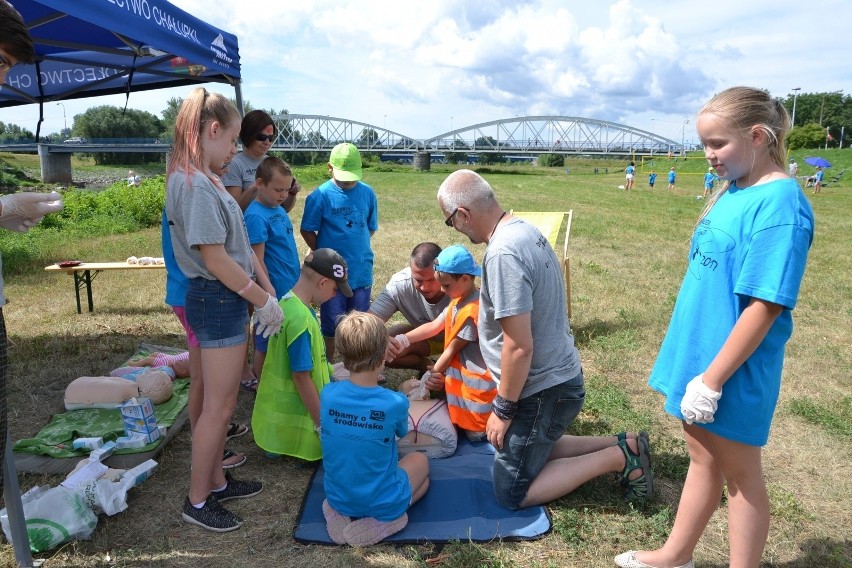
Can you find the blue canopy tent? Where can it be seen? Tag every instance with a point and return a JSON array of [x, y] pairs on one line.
[[88, 48]]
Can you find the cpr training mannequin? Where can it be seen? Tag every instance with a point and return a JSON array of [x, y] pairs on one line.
[[110, 392]]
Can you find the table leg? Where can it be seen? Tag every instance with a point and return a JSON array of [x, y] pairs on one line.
[[83, 278], [89, 290], [77, 280]]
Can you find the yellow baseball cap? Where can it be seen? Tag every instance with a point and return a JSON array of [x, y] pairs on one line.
[[345, 162]]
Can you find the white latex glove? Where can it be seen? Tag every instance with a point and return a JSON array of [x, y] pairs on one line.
[[395, 346], [269, 317], [21, 211], [420, 392], [699, 402]]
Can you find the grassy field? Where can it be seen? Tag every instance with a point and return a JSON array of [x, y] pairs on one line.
[[627, 255]]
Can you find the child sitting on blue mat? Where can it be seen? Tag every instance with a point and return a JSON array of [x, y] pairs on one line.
[[368, 490]]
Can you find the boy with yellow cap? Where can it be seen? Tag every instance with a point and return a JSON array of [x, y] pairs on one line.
[[343, 214]]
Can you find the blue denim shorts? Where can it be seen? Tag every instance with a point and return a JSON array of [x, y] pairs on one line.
[[541, 420], [339, 305], [216, 314]]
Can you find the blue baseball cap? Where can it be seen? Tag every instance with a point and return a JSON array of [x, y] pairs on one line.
[[456, 259]]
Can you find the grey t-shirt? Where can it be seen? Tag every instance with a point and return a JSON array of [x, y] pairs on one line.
[[520, 274], [203, 214], [242, 171], [400, 295]]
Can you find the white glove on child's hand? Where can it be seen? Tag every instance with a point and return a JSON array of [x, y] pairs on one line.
[[21, 211], [699, 402], [395, 345], [403, 341], [269, 317]]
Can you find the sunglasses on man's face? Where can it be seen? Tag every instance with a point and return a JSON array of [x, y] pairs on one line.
[[449, 220], [265, 137]]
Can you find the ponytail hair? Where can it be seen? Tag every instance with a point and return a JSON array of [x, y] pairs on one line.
[[746, 108], [197, 110]]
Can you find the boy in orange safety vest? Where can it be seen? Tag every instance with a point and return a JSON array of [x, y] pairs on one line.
[[460, 370]]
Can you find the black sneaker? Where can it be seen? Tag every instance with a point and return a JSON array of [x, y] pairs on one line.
[[212, 516], [237, 489]]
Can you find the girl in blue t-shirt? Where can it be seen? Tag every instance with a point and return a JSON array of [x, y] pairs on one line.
[[720, 362]]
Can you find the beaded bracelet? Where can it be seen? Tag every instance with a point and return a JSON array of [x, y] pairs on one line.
[[504, 409]]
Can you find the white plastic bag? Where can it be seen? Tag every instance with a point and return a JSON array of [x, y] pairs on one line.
[[53, 516]]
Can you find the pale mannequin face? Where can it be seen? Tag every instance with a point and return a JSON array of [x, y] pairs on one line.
[[275, 192]]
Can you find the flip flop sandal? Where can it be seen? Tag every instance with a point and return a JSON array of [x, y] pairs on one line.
[[250, 385], [230, 455], [236, 430], [643, 486]]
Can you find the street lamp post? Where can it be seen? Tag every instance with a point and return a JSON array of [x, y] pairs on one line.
[[683, 137], [64, 120], [795, 94]]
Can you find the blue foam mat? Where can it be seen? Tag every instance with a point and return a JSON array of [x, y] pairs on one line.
[[459, 505]]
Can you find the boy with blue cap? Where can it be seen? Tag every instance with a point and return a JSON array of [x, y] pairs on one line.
[[460, 369]]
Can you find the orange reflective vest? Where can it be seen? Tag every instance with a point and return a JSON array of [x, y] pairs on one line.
[[470, 389]]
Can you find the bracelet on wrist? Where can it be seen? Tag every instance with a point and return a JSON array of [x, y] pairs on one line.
[[242, 292], [504, 409]]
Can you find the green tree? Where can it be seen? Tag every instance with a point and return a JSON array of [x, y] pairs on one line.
[[829, 110], [551, 160], [488, 143], [170, 117], [13, 133], [112, 122], [807, 136], [369, 138]]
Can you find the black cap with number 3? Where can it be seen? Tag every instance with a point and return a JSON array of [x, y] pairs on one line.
[[329, 263]]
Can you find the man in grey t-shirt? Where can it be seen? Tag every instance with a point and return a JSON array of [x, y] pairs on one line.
[[528, 348], [415, 293]]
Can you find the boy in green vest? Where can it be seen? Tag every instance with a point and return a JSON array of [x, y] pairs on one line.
[[286, 417]]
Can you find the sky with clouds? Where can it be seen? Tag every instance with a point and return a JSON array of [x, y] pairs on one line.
[[425, 68]]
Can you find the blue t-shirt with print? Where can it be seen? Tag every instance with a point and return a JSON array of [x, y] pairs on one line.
[[272, 227], [752, 244], [360, 426], [344, 220]]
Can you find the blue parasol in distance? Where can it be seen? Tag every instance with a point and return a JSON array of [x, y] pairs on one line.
[[817, 161]]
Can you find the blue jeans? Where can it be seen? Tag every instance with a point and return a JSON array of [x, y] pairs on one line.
[[216, 314], [541, 420], [339, 305]]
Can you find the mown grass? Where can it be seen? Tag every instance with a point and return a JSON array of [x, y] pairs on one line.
[[627, 256]]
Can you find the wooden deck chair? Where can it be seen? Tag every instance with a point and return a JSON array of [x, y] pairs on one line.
[[550, 224]]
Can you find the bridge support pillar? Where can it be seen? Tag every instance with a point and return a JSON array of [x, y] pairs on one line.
[[55, 168], [422, 161]]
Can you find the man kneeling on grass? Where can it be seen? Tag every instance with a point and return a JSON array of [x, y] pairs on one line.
[[360, 422]]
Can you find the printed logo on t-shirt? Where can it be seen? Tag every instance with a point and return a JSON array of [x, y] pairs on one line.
[[709, 247]]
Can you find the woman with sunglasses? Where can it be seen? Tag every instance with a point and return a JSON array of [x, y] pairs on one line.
[[257, 133]]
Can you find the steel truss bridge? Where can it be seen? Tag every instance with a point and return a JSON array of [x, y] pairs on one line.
[[521, 135]]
